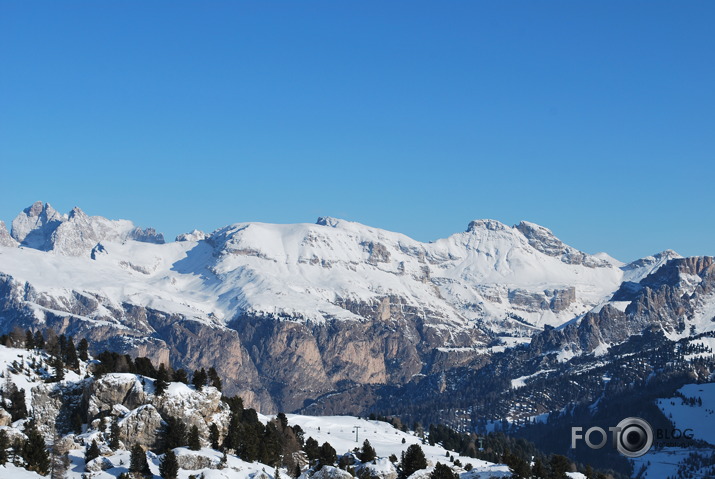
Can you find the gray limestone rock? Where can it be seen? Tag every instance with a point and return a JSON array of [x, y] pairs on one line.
[[193, 461], [542, 239], [5, 238], [34, 226], [142, 426]]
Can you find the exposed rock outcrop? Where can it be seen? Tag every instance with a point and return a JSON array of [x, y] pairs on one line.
[[142, 426], [544, 240], [5, 417], [193, 462], [115, 389], [5, 238], [34, 226], [330, 472]]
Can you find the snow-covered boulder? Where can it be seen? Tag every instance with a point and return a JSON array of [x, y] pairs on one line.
[[117, 388], [141, 426], [119, 410], [380, 469], [13, 434], [194, 460], [330, 472], [5, 417], [99, 464], [194, 408]]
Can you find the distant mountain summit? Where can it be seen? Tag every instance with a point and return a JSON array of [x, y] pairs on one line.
[[41, 227], [288, 313]]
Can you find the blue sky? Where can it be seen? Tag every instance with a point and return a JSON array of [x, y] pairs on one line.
[[595, 119]]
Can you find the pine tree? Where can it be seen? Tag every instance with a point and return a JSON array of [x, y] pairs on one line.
[[368, 452], [443, 471], [83, 349], [62, 345], [34, 452], [4, 444], [39, 340], [138, 463], [52, 343], [161, 382], [169, 467], [194, 440], [175, 433], [199, 379], [59, 458], [181, 376], [269, 448], [92, 452], [29, 340], [282, 420], [71, 355], [327, 455], [413, 460], [17, 407], [312, 449], [560, 465], [59, 369], [114, 435], [213, 378], [214, 436]]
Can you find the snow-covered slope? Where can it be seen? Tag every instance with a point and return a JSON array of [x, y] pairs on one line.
[[311, 271], [340, 432]]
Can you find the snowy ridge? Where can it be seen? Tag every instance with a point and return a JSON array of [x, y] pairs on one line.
[[311, 271]]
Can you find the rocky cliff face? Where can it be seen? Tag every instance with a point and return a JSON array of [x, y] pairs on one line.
[[5, 238], [544, 240]]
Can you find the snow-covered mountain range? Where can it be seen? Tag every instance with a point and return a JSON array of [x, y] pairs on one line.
[[297, 311]]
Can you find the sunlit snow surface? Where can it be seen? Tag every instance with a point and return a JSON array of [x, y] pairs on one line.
[[306, 271]]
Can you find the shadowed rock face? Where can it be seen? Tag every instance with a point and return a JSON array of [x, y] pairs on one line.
[[666, 299]]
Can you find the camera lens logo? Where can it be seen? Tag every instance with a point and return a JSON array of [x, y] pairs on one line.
[[634, 437]]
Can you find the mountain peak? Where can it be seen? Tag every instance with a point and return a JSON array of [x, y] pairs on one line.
[[5, 238], [76, 213], [328, 221], [194, 235], [35, 224], [492, 225]]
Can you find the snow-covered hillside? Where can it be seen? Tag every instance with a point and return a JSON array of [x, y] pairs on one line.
[[139, 413]]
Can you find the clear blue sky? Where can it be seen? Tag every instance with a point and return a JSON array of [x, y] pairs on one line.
[[595, 119]]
